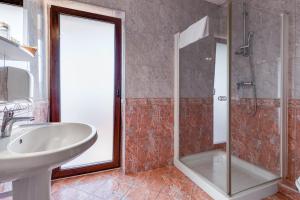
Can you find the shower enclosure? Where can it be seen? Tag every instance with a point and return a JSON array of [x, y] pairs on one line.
[[230, 101]]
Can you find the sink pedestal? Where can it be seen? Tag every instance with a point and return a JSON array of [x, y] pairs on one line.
[[36, 187]]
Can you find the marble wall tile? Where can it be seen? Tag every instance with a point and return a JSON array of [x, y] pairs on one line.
[[197, 68], [149, 72], [150, 26], [267, 75], [293, 140], [41, 111], [150, 29], [294, 95], [254, 139], [274, 6], [295, 87], [260, 133], [266, 25], [149, 134], [196, 126], [257, 139]]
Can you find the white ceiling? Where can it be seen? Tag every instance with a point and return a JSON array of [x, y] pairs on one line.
[[218, 2]]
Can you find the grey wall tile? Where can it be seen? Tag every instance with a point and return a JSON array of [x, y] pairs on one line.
[[151, 24], [196, 72], [150, 29], [265, 22], [295, 77]]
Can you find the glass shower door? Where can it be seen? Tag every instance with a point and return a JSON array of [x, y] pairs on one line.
[[256, 95], [203, 92], [229, 101]]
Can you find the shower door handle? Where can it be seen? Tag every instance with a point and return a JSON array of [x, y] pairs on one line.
[[222, 98]]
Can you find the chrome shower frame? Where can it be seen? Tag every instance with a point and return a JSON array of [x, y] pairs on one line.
[[201, 181]]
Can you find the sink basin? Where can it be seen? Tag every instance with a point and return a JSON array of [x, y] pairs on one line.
[[29, 157], [51, 139]]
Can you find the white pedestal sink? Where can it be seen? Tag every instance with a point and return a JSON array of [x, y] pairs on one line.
[[28, 157]]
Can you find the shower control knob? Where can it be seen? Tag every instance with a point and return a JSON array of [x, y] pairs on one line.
[[222, 98]]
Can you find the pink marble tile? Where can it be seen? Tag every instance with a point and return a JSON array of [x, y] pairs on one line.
[[137, 193], [293, 140], [149, 134], [41, 111], [256, 139], [279, 196], [161, 183], [196, 126]]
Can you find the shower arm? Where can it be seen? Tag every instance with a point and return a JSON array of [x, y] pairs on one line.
[[248, 41]]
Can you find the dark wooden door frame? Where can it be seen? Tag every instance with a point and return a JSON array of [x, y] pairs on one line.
[[55, 12]]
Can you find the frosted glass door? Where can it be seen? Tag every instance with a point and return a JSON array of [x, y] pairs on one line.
[[87, 60], [220, 97]]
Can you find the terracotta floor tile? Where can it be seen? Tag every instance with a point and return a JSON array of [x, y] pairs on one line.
[[279, 196], [63, 183], [124, 178], [112, 189], [70, 193], [93, 198], [100, 176], [199, 194], [163, 196], [161, 184], [164, 183], [57, 186], [289, 190], [151, 181], [90, 187], [139, 193], [178, 187]]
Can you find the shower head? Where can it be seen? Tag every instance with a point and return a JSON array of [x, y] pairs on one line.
[[244, 50]]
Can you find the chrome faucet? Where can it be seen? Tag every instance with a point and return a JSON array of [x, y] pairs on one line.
[[9, 120]]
